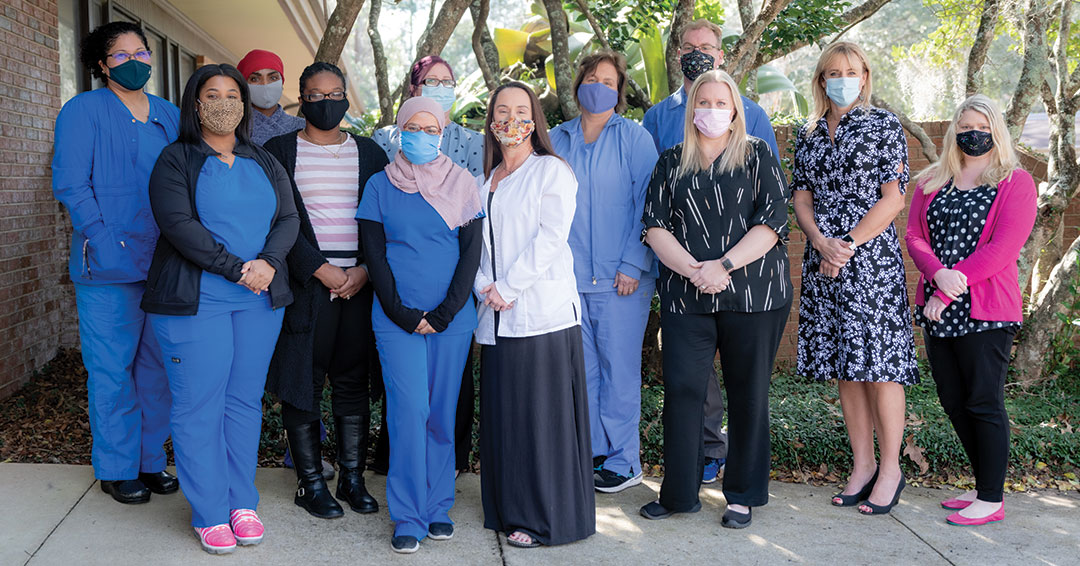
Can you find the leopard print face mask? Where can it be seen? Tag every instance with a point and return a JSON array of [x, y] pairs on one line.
[[222, 115]]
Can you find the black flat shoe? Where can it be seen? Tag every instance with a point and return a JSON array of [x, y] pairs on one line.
[[161, 483], [656, 511], [854, 499], [440, 531], [885, 509], [404, 544], [128, 492], [736, 520]]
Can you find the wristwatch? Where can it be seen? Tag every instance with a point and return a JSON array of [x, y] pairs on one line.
[[727, 265], [849, 241]]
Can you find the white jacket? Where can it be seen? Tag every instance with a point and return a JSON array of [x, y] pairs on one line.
[[528, 224]]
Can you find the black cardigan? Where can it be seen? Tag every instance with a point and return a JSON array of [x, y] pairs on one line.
[[290, 375], [186, 248]]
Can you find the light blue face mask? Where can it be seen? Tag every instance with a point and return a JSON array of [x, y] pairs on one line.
[[420, 147], [444, 95], [844, 91]]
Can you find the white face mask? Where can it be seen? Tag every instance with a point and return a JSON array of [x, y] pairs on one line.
[[266, 96]]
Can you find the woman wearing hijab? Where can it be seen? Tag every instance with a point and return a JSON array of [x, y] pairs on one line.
[[536, 464], [422, 249]]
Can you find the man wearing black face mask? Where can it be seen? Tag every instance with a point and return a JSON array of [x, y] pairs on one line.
[[700, 51]]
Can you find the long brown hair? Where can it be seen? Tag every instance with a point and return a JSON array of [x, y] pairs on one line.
[[541, 142]]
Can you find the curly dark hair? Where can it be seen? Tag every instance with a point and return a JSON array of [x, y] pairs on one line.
[[320, 67], [96, 45]]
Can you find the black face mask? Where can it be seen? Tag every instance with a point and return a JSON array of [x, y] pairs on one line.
[[325, 114], [695, 63], [975, 142]]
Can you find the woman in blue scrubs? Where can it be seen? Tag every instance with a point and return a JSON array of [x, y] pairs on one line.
[[215, 293], [613, 159], [423, 250], [106, 143]]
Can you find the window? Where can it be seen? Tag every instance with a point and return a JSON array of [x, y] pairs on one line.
[[158, 84]]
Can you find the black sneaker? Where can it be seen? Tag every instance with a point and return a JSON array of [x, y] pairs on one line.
[[404, 544], [440, 531], [598, 463], [607, 481]]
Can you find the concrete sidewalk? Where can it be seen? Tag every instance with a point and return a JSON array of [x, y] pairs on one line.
[[57, 515]]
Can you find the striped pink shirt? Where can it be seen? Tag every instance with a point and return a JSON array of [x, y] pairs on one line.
[[326, 176]]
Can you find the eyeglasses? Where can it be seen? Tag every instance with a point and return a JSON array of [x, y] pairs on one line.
[[436, 82], [318, 96], [121, 57], [430, 130], [704, 48]]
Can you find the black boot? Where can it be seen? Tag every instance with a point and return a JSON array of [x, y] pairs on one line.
[[311, 491], [352, 433]]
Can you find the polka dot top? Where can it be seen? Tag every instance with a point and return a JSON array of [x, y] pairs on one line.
[[956, 220]]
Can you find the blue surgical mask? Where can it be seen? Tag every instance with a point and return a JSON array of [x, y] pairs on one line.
[[444, 95], [844, 91], [597, 98], [420, 147]]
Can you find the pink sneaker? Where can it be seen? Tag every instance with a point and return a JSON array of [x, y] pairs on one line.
[[962, 521], [246, 526], [217, 539], [955, 504]]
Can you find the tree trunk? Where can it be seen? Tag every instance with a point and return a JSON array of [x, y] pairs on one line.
[[1044, 322], [683, 14], [560, 54], [386, 100], [435, 36], [636, 95], [746, 17], [984, 36], [744, 53], [928, 148], [850, 17], [479, 9], [1036, 69], [338, 29], [487, 55]]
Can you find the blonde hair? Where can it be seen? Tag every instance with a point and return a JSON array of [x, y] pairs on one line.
[[738, 148], [821, 100], [702, 23], [1003, 160]]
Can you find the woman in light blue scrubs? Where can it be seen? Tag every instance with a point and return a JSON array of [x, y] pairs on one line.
[[422, 248], [613, 159]]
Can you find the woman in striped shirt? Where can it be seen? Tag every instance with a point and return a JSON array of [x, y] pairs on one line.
[[327, 330]]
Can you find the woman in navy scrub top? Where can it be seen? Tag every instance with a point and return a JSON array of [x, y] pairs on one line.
[[106, 143], [216, 289], [423, 249]]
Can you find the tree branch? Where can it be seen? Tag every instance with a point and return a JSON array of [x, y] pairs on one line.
[[637, 96], [560, 54], [851, 17], [386, 100], [984, 36], [480, 10], [928, 147], [746, 17], [745, 51], [1036, 66], [338, 28], [682, 15]]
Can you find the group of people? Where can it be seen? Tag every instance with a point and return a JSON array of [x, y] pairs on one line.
[[226, 248]]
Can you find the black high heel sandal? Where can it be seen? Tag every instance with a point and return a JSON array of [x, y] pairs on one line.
[[855, 498], [884, 509]]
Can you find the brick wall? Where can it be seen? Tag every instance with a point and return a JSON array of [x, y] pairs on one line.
[[33, 228], [917, 162]]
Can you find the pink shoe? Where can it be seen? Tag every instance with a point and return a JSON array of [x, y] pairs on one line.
[[961, 521], [246, 526], [217, 539], [955, 504]]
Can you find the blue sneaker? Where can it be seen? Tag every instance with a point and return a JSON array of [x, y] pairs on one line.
[[712, 469]]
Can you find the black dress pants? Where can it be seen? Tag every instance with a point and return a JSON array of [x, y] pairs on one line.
[[344, 346], [970, 374], [747, 343]]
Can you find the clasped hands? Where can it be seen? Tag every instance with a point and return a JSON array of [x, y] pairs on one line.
[[709, 276], [342, 282], [256, 275], [952, 283], [835, 253]]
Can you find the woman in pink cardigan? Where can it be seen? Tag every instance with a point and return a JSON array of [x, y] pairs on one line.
[[972, 212]]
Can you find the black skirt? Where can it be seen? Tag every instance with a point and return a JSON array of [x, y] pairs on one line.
[[535, 453]]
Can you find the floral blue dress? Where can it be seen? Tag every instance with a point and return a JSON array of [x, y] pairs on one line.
[[857, 326]]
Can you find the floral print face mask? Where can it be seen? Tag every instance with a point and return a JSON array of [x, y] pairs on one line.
[[512, 131]]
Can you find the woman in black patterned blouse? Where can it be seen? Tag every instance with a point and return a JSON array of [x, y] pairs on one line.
[[716, 216], [854, 324]]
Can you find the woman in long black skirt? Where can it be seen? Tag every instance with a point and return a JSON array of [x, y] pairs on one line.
[[535, 453]]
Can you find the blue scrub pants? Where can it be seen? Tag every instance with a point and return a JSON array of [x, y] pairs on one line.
[[128, 390], [612, 329], [422, 375], [217, 362]]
